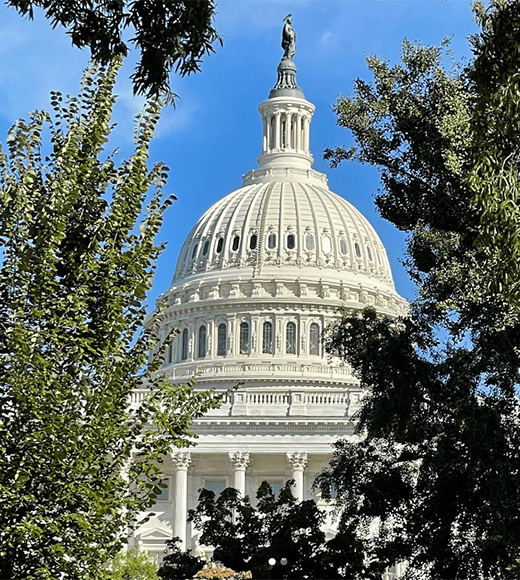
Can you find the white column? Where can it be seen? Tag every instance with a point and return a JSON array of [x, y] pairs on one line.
[[306, 127], [181, 460], [240, 461], [277, 139], [298, 131], [298, 462], [264, 136]]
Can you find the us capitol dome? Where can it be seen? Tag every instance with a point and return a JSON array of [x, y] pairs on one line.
[[258, 279]]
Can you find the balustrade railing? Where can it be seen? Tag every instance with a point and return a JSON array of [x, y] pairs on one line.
[[274, 401]]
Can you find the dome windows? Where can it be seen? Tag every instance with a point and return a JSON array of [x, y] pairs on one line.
[[220, 245], [221, 339], [309, 242], [267, 338], [244, 338], [290, 338], [343, 248], [194, 253], [235, 243], [184, 344], [271, 241], [253, 240], [202, 342], [205, 248], [291, 241], [326, 243], [314, 339], [369, 254], [357, 249]]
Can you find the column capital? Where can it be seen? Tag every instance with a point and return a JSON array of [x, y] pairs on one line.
[[239, 459], [298, 460], [181, 459]]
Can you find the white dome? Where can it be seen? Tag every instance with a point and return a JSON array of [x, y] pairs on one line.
[[263, 272], [285, 226]]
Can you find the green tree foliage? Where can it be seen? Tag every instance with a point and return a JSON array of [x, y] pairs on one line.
[[180, 564], [132, 565], [434, 478], [495, 152], [244, 537], [77, 464], [170, 35]]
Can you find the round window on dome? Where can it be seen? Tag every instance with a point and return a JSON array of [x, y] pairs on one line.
[[357, 249], [327, 244], [369, 254], [252, 242], [271, 241], [291, 241], [220, 245], [235, 244], [343, 248], [309, 242], [205, 248], [194, 253]]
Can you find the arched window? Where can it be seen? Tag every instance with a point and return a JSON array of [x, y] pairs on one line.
[[309, 242], [357, 250], [314, 339], [185, 344], [290, 338], [271, 241], [205, 248], [343, 248], [236, 242], [267, 342], [252, 242], [220, 245], [202, 342], [369, 254], [222, 339], [193, 254], [291, 242], [244, 338]]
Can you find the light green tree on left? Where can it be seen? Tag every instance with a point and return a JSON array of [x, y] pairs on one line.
[[77, 231]]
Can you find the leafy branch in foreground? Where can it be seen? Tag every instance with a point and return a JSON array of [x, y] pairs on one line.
[[170, 36], [77, 463]]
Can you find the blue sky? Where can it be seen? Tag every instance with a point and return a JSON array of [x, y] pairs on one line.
[[213, 136]]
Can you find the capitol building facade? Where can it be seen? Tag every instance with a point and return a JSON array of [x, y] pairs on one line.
[[258, 279]]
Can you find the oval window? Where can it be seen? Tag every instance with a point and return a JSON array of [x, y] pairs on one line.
[[357, 249], [252, 242], [236, 242], [290, 242], [327, 244], [193, 254], [343, 248], [309, 242], [271, 241], [220, 245], [205, 248]]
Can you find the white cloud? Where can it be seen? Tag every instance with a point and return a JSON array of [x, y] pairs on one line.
[[326, 38]]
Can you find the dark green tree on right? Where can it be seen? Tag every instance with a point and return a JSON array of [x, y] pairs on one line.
[[434, 480]]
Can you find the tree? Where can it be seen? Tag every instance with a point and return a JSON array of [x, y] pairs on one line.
[[77, 464], [433, 480], [170, 35], [132, 565], [245, 538], [179, 564], [493, 175]]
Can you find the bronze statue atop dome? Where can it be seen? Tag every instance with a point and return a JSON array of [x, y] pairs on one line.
[[288, 38]]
